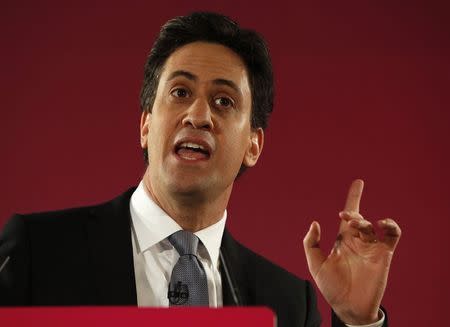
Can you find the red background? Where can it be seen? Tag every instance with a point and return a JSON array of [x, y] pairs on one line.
[[362, 91]]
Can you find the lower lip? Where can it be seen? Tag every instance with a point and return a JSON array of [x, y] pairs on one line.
[[188, 159]]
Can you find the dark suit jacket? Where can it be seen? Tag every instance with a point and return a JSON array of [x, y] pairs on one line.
[[83, 256]]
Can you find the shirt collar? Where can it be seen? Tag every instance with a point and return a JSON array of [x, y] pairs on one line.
[[153, 225]]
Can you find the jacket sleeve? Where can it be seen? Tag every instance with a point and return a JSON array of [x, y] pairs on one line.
[[15, 263], [313, 316]]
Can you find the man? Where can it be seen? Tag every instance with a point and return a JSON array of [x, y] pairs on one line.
[[206, 98]]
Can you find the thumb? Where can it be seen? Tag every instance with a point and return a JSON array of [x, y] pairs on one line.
[[314, 255]]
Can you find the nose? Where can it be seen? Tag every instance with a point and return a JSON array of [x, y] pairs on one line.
[[198, 115]]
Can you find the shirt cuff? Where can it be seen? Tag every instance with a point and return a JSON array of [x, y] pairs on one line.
[[378, 323]]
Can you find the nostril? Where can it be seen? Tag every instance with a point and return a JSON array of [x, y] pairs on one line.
[[198, 123], [207, 126]]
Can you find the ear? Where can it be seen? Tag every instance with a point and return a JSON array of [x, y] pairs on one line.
[[255, 147], [145, 125]]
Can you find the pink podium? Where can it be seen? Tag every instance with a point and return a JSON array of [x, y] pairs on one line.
[[133, 316]]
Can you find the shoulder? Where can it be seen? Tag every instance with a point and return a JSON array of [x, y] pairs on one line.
[[67, 216], [60, 225], [43, 250]]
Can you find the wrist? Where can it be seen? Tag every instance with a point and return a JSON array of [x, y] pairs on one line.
[[351, 318]]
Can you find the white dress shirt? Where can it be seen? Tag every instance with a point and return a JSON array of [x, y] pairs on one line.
[[154, 256]]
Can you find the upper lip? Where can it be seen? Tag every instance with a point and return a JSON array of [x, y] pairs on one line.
[[206, 142]]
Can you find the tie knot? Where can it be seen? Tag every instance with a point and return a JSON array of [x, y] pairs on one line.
[[184, 242]]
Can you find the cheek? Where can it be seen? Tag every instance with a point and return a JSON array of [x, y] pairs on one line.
[[238, 140], [242, 133], [160, 133]]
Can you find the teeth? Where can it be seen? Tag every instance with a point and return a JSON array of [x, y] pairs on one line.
[[192, 146]]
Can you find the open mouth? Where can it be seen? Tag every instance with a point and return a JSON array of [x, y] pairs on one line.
[[192, 151]]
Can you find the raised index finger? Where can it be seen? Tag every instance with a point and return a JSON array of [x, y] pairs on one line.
[[354, 196]]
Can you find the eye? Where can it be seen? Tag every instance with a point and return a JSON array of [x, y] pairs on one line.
[[180, 93], [224, 102]]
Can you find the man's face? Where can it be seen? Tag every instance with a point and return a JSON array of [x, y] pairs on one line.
[[198, 133]]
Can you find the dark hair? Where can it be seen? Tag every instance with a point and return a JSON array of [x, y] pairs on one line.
[[214, 28]]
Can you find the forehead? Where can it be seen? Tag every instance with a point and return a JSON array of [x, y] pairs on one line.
[[208, 61]]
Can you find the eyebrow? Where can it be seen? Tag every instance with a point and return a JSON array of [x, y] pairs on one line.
[[183, 73], [192, 77]]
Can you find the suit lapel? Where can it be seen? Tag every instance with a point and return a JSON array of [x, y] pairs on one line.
[[232, 254], [111, 256]]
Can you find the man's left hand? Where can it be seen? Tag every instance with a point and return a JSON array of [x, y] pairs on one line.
[[353, 277]]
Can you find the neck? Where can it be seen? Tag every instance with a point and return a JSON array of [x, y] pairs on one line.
[[194, 211]]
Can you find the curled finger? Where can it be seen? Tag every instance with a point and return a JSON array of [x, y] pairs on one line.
[[391, 232], [365, 230]]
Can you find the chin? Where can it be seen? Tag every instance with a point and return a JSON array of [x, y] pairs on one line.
[[182, 180], [188, 189], [190, 182]]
